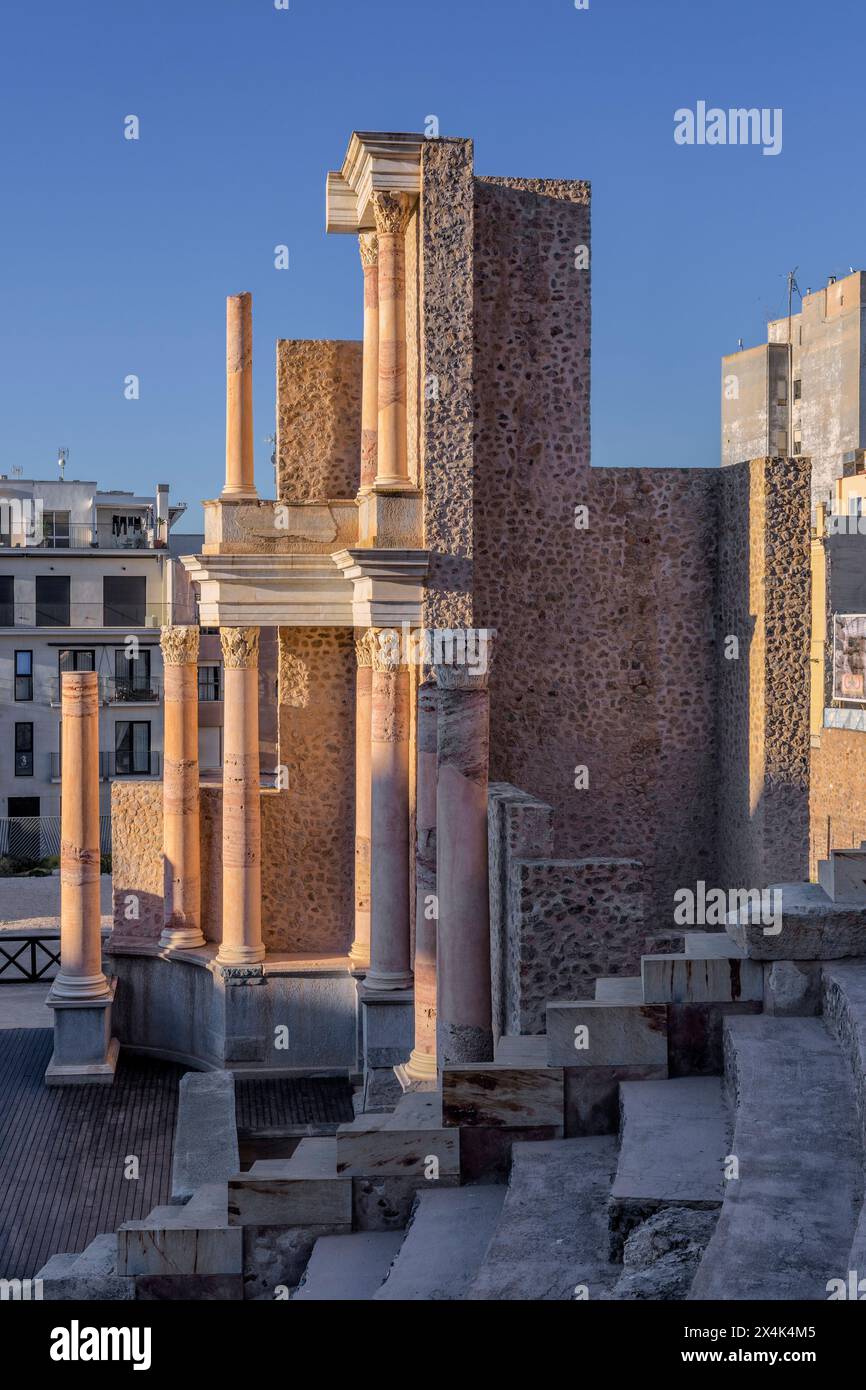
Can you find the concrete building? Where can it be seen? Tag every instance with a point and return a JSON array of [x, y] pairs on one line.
[[803, 392], [87, 579]]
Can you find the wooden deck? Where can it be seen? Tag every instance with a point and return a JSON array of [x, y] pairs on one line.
[[62, 1151], [320, 1102]]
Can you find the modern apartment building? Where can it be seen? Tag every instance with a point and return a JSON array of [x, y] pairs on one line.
[[87, 578], [804, 390]]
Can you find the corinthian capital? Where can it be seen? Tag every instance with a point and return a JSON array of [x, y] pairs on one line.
[[368, 245], [240, 646], [391, 211], [179, 645]]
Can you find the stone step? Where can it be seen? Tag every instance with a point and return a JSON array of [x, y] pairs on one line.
[[787, 1222], [302, 1190], [500, 1095], [843, 875], [812, 926], [100, 1257], [673, 1143], [58, 1267], [522, 1050], [348, 1268], [551, 1237], [195, 1238], [590, 1033], [844, 1005], [87, 1276], [400, 1144], [695, 980], [444, 1244], [315, 1157], [711, 944], [619, 989]]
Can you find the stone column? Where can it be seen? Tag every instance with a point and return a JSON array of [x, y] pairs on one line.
[[360, 952], [464, 1030], [242, 836], [180, 791], [421, 1066], [391, 211], [240, 468], [389, 817], [80, 995], [370, 372]]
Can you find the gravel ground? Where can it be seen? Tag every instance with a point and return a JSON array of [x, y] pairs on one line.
[[35, 902]]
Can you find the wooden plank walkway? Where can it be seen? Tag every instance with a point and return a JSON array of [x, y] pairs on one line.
[[63, 1151], [292, 1101]]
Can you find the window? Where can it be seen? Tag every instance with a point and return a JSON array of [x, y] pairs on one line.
[[7, 601], [132, 675], [123, 600], [23, 750], [131, 747], [798, 442], [52, 600], [55, 530], [798, 390], [209, 683], [23, 675], [71, 659]]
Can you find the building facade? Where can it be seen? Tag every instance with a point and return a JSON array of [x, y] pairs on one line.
[[87, 578]]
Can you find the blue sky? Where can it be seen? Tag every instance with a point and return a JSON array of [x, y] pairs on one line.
[[117, 255]]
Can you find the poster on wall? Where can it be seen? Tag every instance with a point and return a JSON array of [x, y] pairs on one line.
[[849, 657]]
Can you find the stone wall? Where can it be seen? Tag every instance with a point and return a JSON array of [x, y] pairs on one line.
[[556, 924], [446, 277], [318, 419], [763, 701], [838, 776], [136, 861]]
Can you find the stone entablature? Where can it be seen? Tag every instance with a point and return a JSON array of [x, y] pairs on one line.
[[374, 162]]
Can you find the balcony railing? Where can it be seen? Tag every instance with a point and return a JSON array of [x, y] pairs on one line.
[[31, 838], [76, 536], [116, 765], [117, 690], [129, 617]]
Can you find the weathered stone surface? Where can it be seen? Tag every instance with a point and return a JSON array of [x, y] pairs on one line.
[[395, 1153], [592, 1096], [172, 1249], [444, 1245], [189, 1288], [812, 927], [275, 1257], [691, 980], [318, 420], [592, 1034], [791, 989], [206, 1136], [348, 1268], [384, 1203], [272, 1199], [695, 1036], [662, 1254], [490, 1095]]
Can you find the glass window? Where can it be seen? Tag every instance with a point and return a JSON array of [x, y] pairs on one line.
[[52, 600], [55, 530], [23, 750], [71, 659], [123, 600], [7, 601], [23, 675], [132, 675], [132, 747], [209, 683]]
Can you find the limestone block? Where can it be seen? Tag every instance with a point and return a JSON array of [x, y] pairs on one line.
[[591, 1033], [592, 1097], [275, 1200], [490, 1095], [388, 1028], [144, 1249], [691, 980], [275, 1257], [384, 1202], [206, 1137], [392, 1152], [812, 927], [792, 989]]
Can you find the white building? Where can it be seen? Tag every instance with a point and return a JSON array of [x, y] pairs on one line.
[[87, 578]]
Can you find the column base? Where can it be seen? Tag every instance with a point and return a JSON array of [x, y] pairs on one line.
[[393, 484], [181, 939], [244, 955], [79, 988], [420, 1073], [381, 981], [360, 957], [85, 1053], [238, 494]]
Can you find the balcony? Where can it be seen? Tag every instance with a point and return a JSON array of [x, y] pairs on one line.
[[75, 536], [116, 765], [127, 618], [117, 690]]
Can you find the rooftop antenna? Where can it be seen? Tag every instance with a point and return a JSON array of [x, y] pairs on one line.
[[17, 470], [62, 456], [792, 286]]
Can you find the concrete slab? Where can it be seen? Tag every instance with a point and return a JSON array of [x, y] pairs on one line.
[[619, 989], [787, 1222], [206, 1139], [444, 1245], [588, 1033], [348, 1268], [551, 1236]]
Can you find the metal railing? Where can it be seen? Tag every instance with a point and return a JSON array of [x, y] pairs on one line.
[[33, 838], [28, 957], [117, 690], [115, 765], [77, 536]]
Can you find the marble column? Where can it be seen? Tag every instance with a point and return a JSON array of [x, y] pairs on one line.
[[360, 952], [421, 1066], [240, 467], [464, 1024], [180, 790], [80, 995], [242, 836], [369, 246], [389, 817], [391, 211]]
